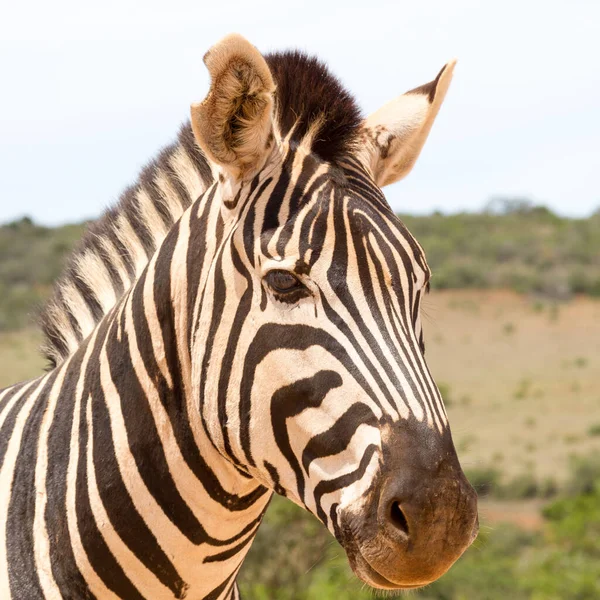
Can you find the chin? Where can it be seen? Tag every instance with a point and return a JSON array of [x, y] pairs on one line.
[[373, 578]]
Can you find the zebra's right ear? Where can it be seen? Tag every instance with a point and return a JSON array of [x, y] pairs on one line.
[[234, 123], [395, 134]]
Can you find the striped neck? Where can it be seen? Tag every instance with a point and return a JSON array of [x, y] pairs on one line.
[[160, 512], [199, 508]]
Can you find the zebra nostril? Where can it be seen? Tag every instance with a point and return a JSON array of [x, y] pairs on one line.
[[398, 518]]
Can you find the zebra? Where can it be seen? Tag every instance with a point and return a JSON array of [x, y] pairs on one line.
[[246, 320]]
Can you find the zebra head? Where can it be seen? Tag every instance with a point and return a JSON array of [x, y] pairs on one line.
[[308, 353]]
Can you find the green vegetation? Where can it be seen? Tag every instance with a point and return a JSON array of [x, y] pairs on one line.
[[485, 480], [594, 430], [490, 483], [31, 259], [585, 474], [512, 244]]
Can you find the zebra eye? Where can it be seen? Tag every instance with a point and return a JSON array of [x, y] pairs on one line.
[[282, 281]]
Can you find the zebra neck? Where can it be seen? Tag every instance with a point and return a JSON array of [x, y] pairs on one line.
[[124, 493], [196, 511]]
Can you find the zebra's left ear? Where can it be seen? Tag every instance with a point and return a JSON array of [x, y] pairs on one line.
[[396, 133], [234, 123]]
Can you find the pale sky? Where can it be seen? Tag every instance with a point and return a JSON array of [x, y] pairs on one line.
[[90, 92]]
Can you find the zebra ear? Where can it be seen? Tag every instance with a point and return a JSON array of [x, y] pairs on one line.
[[396, 133], [234, 123]]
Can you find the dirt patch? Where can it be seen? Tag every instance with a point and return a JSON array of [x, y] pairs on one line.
[[521, 376]]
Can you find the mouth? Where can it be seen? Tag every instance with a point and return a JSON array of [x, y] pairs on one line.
[[369, 575]]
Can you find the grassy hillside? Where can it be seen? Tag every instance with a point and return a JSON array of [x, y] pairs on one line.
[[520, 377], [512, 245], [31, 258]]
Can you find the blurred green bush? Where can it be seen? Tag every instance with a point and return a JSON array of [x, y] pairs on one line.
[[31, 259], [512, 244]]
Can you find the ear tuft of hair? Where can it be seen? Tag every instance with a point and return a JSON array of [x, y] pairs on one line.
[[308, 95]]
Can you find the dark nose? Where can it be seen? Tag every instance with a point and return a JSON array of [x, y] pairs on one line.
[[415, 529], [419, 518], [410, 511]]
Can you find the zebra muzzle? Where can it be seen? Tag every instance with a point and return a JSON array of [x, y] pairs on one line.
[[416, 522]]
